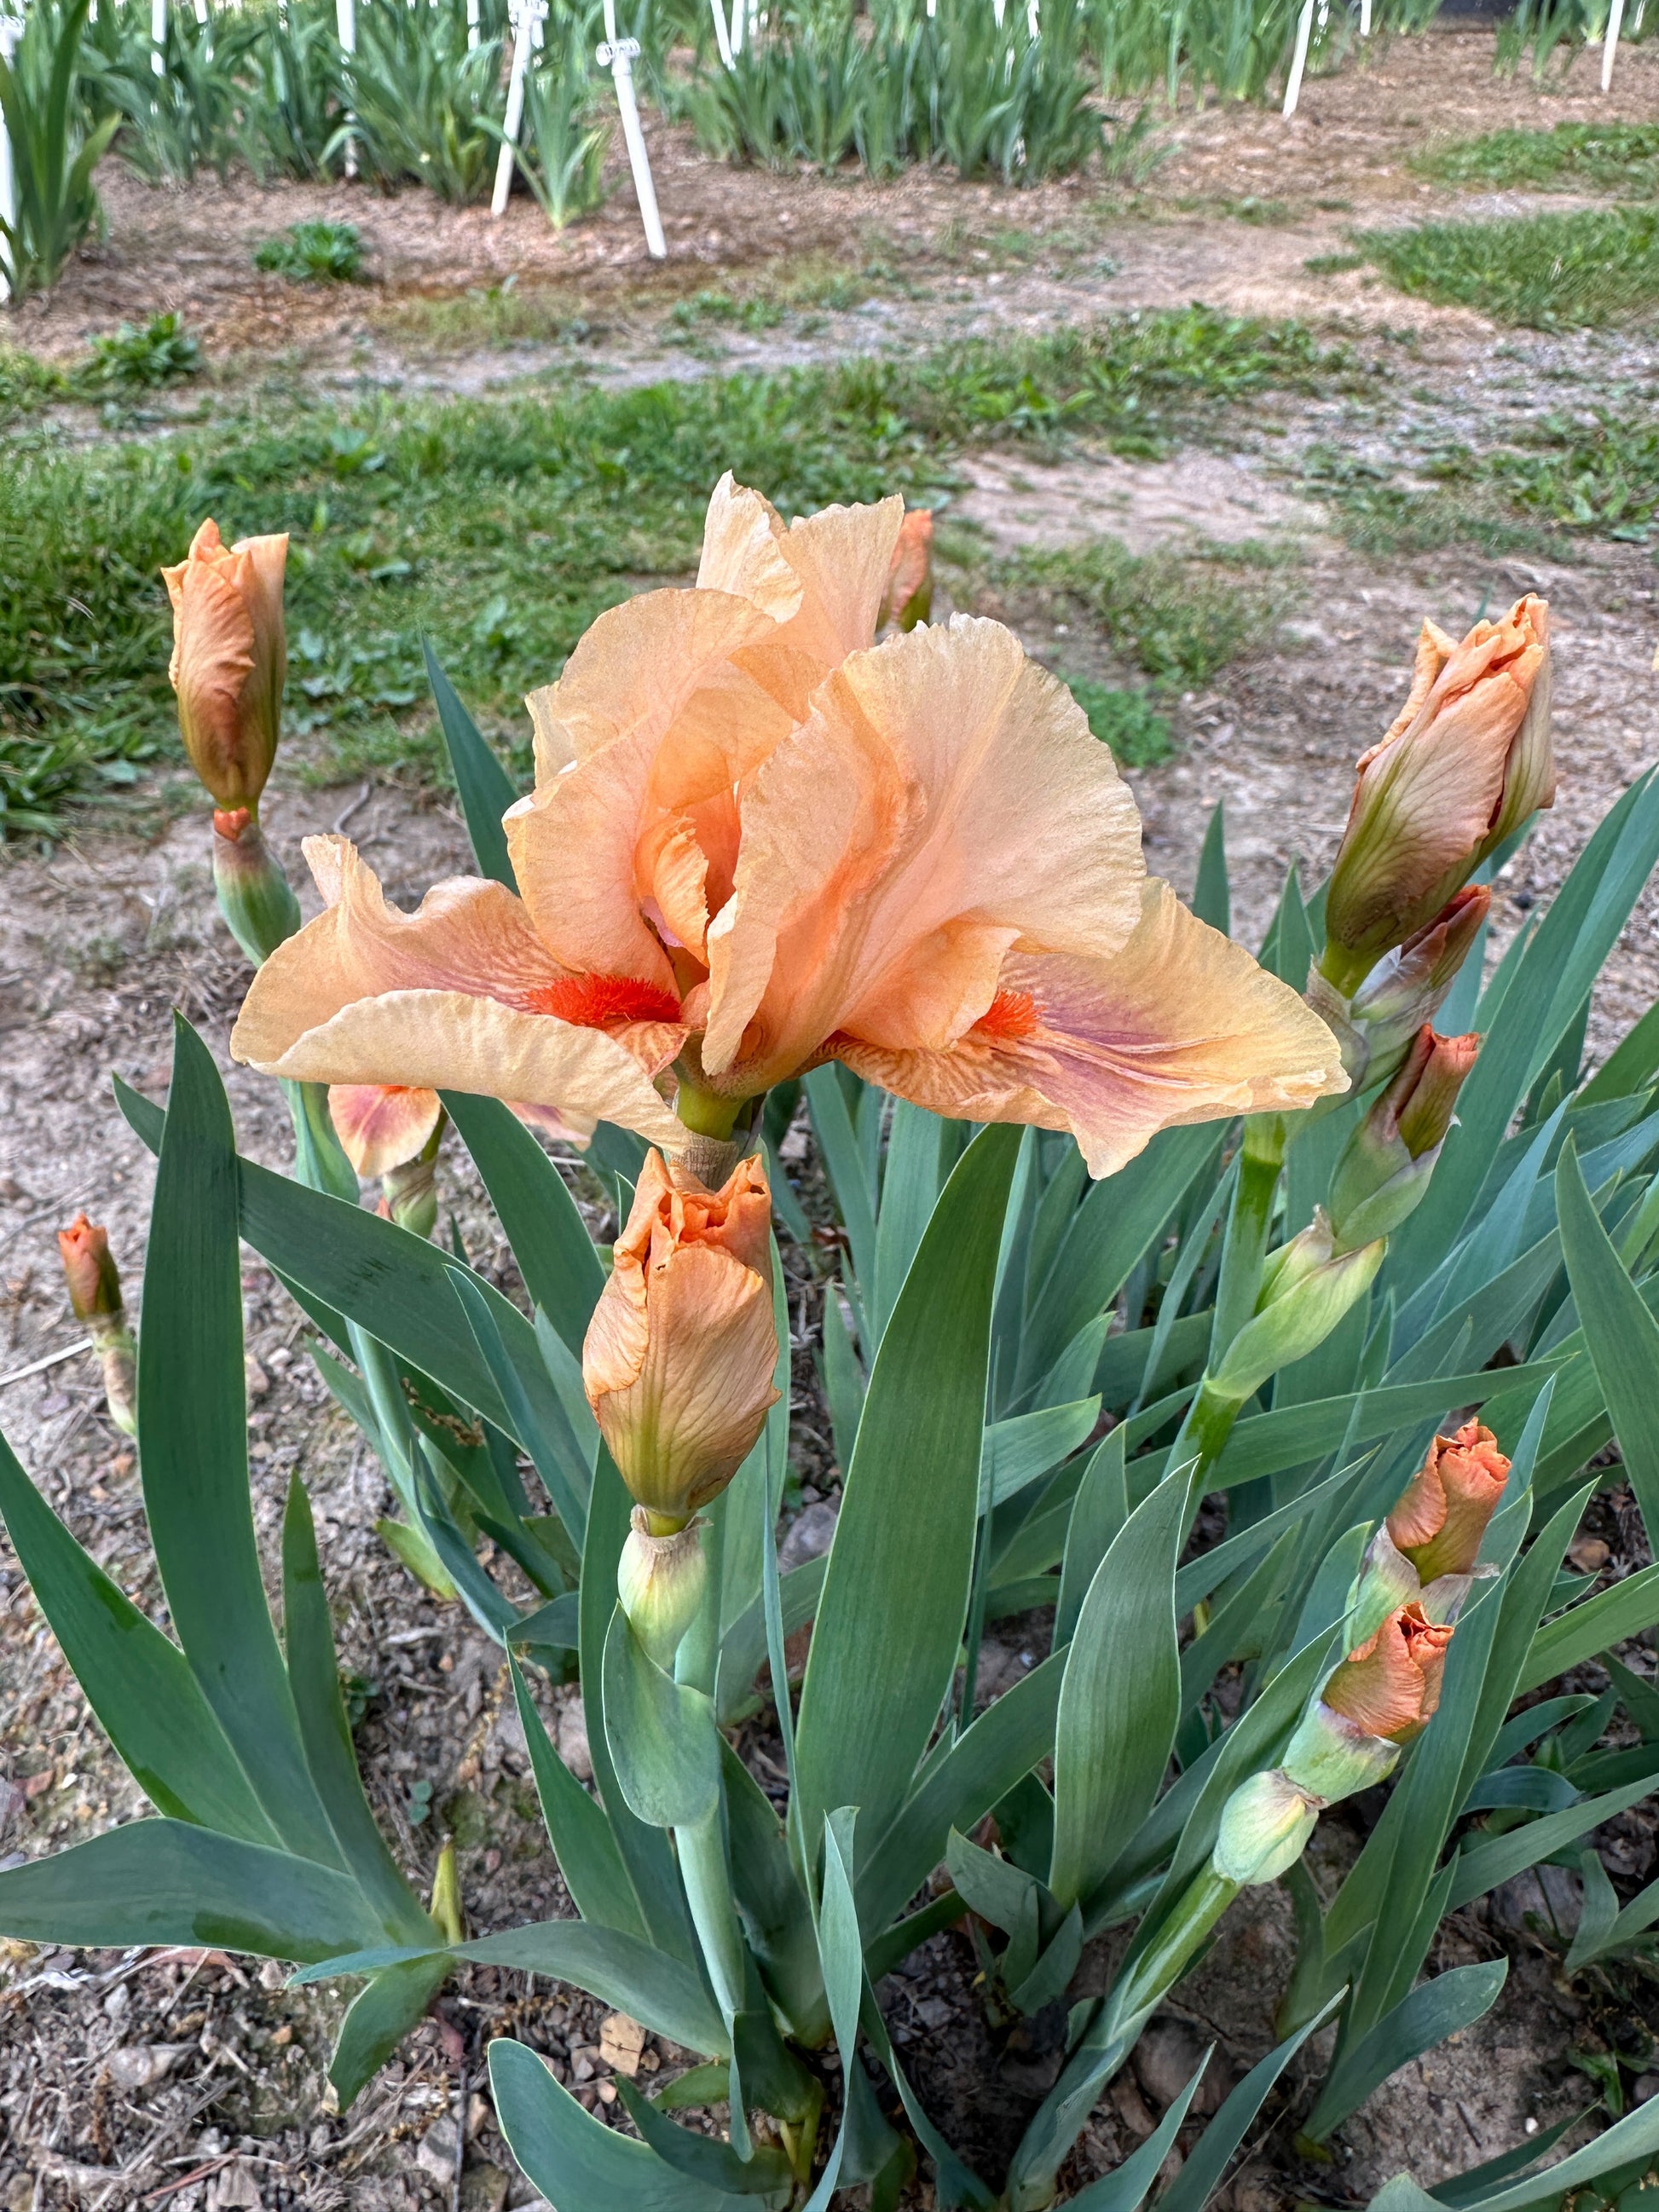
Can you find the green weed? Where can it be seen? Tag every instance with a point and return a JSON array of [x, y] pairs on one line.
[[1177, 618], [314, 253], [1600, 472], [1138, 735], [26, 384], [1598, 265], [1377, 514], [502, 314], [1613, 157], [727, 309], [140, 357], [1333, 264]]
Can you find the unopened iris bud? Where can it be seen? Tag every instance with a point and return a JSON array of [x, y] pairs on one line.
[[1389, 1685], [679, 1355], [1382, 1695], [229, 660], [910, 581], [1440, 1521], [255, 896], [1306, 1288], [93, 1279], [1467, 759], [95, 1292], [446, 1908], [1408, 987], [661, 1581], [1385, 1167], [1264, 1827]]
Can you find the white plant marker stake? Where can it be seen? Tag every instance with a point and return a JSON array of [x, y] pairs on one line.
[[1299, 59], [11, 30], [1364, 18], [158, 36], [618, 55], [722, 35], [1610, 43], [472, 25], [999, 8], [739, 16], [524, 13], [1032, 21], [345, 25]]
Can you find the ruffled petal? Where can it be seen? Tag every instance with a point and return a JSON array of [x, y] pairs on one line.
[[1183, 1025], [660, 721], [944, 800], [447, 1040], [467, 935], [822, 578]]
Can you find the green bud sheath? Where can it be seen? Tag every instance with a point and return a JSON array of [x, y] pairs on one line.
[[255, 897]]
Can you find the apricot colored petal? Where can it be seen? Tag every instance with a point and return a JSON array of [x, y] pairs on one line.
[[448, 1040], [1183, 1025], [844, 557], [946, 799], [674, 867], [688, 1421], [1420, 1513], [822, 578], [658, 662], [214, 651], [1379, 1687], [658, 719], [466, 935], [742, 552], [381, 1125], [1441, 1519]]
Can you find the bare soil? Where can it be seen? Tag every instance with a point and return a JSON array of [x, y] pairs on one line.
[[197, 2081]]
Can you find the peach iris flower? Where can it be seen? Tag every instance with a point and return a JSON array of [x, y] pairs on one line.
[[759, 841]]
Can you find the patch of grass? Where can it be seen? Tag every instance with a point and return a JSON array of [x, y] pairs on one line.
[[1377, 514], [726, 309], [1612, 157], [1333, 264], [1140, 737], [27, 385], [128, 360], [314, 253], [1599, 472], [500, 527], [1177, 617], [487, 315], [1596, 266], [1254, 208]]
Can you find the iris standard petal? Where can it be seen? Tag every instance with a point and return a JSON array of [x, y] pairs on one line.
[[944, 800]]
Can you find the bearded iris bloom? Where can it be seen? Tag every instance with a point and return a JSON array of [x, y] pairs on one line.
[[759, 841]]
